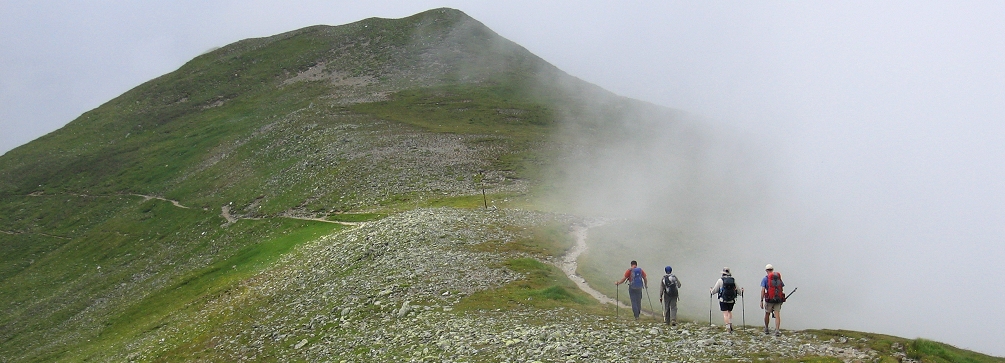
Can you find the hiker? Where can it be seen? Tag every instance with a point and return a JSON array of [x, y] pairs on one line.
[[772, 298], [636, 282], [726, 288], [669, 296]]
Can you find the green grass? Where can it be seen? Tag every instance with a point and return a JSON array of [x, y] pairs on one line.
[[919, 349], [494, 111], [400, 203], [544, 286], [121, 243], [612, 246], [930, 351], [547, 240], [204, 284], [86, 268], [356, 217], [249, 153]]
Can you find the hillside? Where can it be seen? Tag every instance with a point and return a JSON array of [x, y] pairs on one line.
[[318, 196]]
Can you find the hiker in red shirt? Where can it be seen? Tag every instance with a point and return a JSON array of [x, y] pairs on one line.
[[636, 282]]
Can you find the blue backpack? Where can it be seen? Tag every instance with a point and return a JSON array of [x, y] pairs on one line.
[[637, 282]]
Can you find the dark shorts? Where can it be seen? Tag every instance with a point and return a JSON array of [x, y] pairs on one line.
[[723, 306]]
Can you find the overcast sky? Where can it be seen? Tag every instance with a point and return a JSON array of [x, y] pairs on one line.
[[886, 118]]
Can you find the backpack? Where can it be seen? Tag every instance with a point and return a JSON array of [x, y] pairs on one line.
[[727, 292], [774, 289], [637, 281], [670, 287]]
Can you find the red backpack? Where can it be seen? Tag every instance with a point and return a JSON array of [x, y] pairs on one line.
[[774, 288]]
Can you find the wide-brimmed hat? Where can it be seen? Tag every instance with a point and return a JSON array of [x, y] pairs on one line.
[[725, 271], [769, 267]]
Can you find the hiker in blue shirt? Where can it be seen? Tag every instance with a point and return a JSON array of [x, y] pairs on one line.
[[636, 282], [772, 297]]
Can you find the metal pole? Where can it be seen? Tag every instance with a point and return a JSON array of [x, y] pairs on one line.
[[743, 304], [709, 309], [617, 300], [790, 293], [650, 302]]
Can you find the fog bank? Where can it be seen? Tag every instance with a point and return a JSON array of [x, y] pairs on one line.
[[861, 151], [874, 127]]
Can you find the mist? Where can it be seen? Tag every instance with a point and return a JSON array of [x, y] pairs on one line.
[[858, 152], [857, 146], [685, 191]]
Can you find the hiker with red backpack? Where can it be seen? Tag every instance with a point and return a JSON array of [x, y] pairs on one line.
[[726, 288], [669, 296], [636, 282], [772, 297]]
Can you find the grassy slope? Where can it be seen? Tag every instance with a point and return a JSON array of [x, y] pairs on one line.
[[919, 349], [87, 266]]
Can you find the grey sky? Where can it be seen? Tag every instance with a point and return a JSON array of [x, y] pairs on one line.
[[886, 119]]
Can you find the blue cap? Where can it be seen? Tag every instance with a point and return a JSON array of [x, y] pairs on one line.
[[668, 269]]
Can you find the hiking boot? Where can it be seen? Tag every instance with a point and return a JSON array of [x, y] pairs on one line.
[[778, 332], [729, 327], [766, 331], [673, 323]]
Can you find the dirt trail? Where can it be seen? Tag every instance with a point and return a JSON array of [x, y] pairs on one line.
[[326, 221], [149, 197], [231, 219], [568, 263], [225, 212]]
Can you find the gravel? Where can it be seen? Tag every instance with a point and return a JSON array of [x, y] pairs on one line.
[[385, 291]]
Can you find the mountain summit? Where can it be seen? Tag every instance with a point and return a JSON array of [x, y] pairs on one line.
[[387, 190], [188, 185], [217, 103]]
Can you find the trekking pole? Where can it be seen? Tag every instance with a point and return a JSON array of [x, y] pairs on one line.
[[709, 309], [663, 307], [650, 302], [790, 293], [617, 301], [743, 305]]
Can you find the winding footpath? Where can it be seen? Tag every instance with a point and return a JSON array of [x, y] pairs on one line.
[[569, 263], [149, 197]]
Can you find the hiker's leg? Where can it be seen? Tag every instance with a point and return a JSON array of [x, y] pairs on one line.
[[767, 318], [666, 310], [636, 295], [778, 316], [673, 310], [727, 312]]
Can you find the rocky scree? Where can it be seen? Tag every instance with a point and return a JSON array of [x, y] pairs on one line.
[[385, 291]]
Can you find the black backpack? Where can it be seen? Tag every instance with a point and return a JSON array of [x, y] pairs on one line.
[[669, 287], [728, 290]]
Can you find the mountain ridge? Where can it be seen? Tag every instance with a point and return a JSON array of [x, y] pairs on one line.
[[187, 219]]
